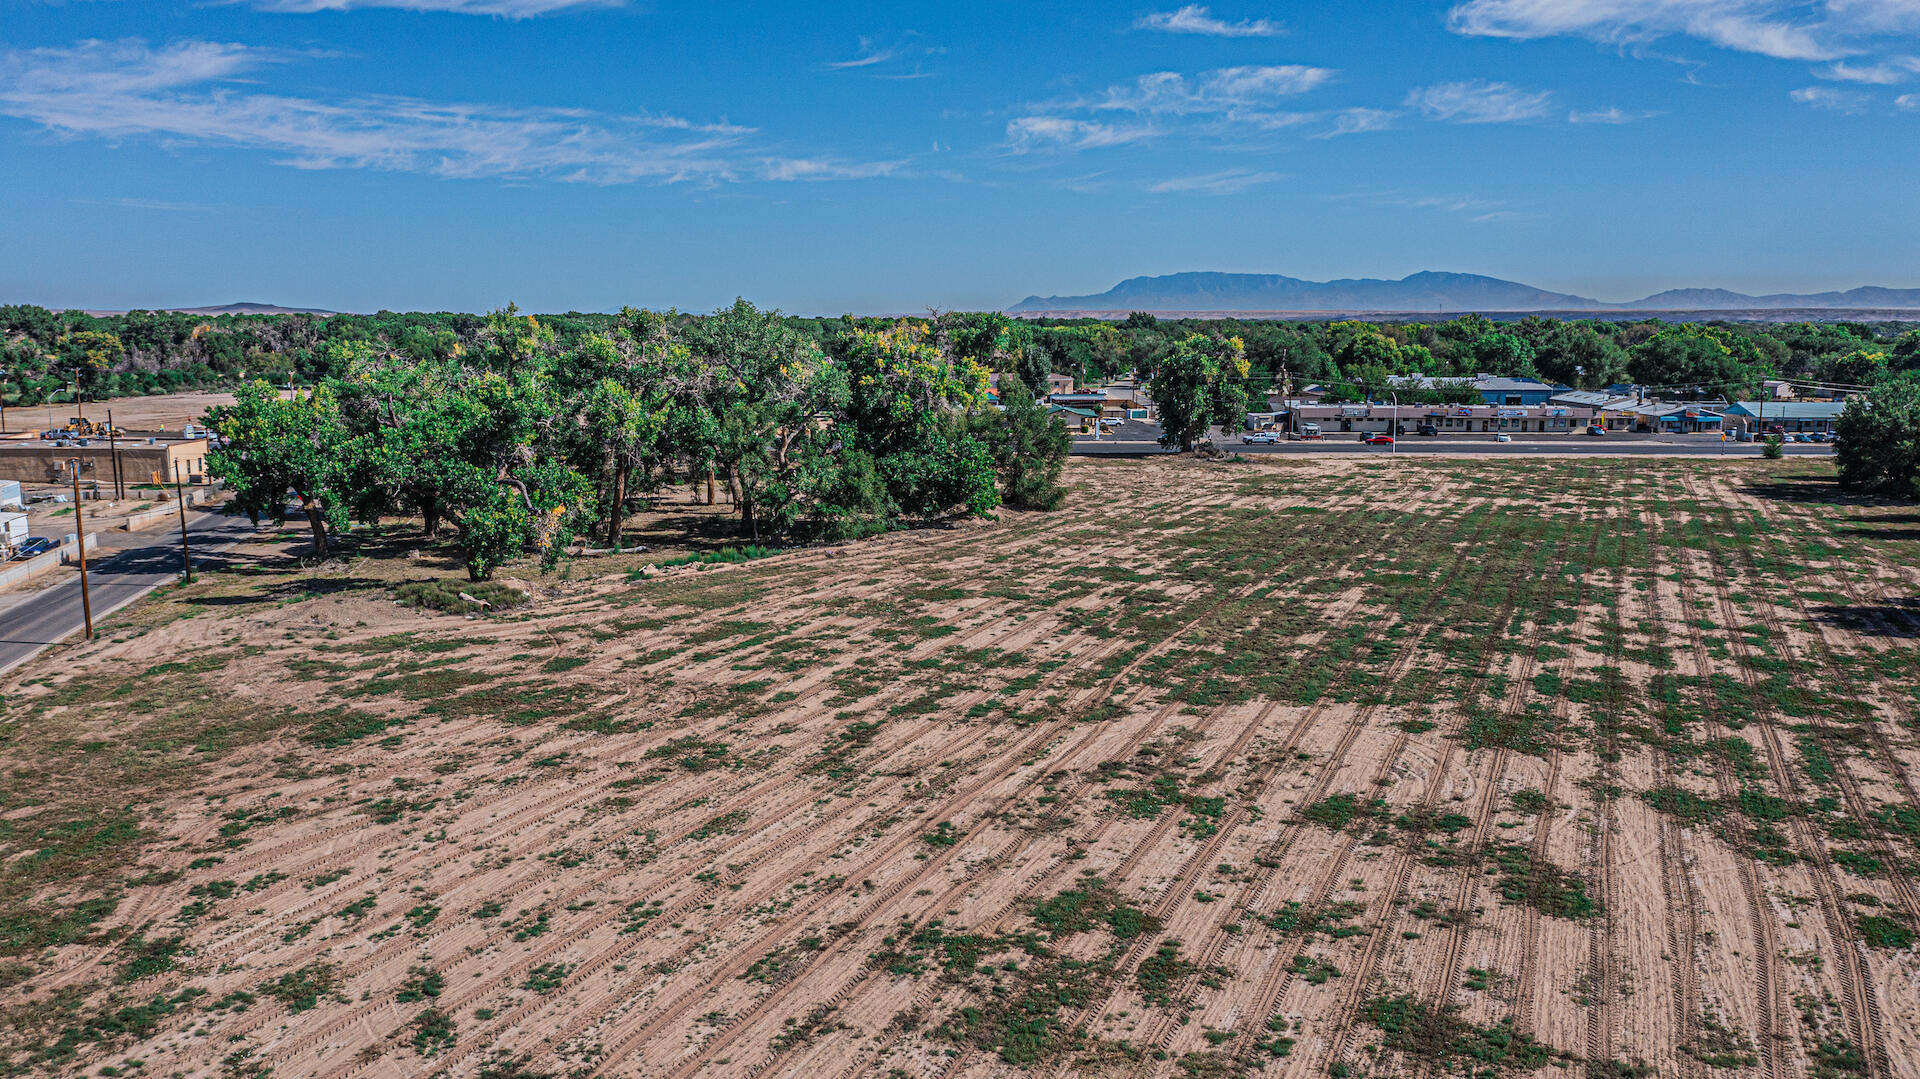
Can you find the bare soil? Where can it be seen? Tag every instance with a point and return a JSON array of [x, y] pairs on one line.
[[1589, 768]]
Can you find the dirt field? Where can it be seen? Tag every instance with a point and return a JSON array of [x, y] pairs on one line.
[[1589, 769], [164, 411]]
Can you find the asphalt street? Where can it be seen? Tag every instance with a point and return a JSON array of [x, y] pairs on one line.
[[1135, 439], [121, 567]]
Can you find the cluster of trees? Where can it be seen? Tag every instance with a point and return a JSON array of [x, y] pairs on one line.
[[520, 440], [1879, 449], [1354, 359], [47, 352]]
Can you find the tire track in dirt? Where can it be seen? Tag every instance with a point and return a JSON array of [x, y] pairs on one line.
[[1160, 1028], [1769, 981], [549, 811], [735, 1023], [969, 736], [961, 740], [925, 995], [1467, 887], [1525, 989], [1857, 983], [1043, 736], [1681, 920], [1345, 1019], [1185, 878]]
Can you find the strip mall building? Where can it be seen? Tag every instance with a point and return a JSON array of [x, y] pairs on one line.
[[1450, 419]]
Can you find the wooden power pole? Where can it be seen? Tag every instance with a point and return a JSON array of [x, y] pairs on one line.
[[80, 533]]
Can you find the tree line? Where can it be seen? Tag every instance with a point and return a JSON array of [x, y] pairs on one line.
[[47, 353], [520, 442]]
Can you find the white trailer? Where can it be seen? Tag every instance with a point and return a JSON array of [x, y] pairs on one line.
[[13, 530]]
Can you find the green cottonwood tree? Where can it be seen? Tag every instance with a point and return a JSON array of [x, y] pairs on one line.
[[1879, 446], [907, 403], [763, 384], [1201, 383], [1029, 448], [270, 446]]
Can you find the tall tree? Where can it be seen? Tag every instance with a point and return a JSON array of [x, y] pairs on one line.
[[1879, 447], [906, 412], [269, 446], [764, 382], [1029, 448], [1201, 383]]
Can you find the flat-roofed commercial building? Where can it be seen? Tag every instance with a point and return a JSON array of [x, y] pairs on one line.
[[142, 460]]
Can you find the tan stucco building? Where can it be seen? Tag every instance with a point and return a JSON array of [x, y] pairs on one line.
[[142, 460]]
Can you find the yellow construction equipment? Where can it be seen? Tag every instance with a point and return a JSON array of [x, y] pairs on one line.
[[81, 427]]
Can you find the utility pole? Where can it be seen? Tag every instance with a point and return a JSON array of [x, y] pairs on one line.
[[80, 533], [186, 558], [113, 446]]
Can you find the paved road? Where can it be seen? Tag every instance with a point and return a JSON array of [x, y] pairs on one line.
[[1518, 447], [121, 567]]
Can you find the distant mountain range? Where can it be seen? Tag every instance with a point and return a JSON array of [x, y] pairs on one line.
[[1427, 292], [243, 308]]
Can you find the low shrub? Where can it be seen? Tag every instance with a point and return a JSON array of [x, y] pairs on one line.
[[445, 595], [725, 555]]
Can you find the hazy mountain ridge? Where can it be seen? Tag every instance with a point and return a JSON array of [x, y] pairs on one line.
[[1429, 291], [244, 307]]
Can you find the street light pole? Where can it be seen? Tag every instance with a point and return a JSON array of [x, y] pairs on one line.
[[186, 558], [80, 533]]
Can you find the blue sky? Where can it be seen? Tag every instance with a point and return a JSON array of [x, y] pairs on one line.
[[886, 157]]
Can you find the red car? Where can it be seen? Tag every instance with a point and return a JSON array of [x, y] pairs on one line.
[[1380, 440]]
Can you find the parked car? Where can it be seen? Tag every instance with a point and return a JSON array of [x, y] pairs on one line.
[[1596, 431], [1260, 438], [1427, 429], [1821, 436], [31, 546], [1800, 437], [1503, 437], [1379, 440]]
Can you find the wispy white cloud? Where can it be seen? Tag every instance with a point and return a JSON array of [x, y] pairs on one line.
[[1783, 29], [869, 56], [1827, 97], [825, 168], [1224, 101], [1227, 182], [1907, 102], [191, 93], [1886, 73], [1195, 19], [1027, 133], [1612, 115], [1220, 90], [1358, 121], [876, 55], [505, 9], [1480, 102], [1476, 210], [1875, 16]]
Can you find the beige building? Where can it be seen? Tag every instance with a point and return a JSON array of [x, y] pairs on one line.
[[142, 460]]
